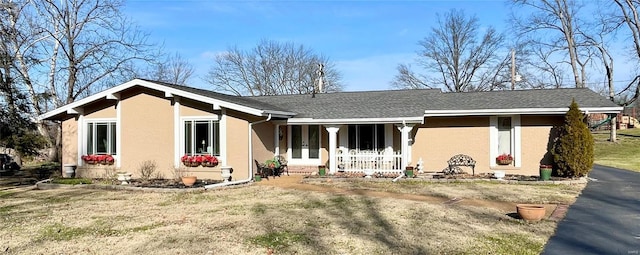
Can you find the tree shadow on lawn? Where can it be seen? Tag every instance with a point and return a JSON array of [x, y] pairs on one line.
[[358, 215], [361, 217]]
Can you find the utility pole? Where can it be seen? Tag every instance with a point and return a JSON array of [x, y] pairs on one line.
[[514, 76]]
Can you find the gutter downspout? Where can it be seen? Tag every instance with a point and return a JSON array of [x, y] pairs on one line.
[[250, 160]]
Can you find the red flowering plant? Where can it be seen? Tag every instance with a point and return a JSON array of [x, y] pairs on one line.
[[504, 159], [210, 161], [197, 160], [104, 159]]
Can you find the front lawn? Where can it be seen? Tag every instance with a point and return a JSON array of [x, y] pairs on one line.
[[250, 219], [625, 153]]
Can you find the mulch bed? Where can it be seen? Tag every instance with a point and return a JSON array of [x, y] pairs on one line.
[[432, 175], [170, 184]]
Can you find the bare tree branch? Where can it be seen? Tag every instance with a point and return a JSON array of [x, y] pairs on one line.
[[456, 53], [271, 68]]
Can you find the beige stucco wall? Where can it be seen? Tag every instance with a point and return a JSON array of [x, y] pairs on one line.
[[70, 141], [147, 132], [238, 144], [536, 141], [263, 141], [194, 108], [324, 145], [439, 139], [101, 109]]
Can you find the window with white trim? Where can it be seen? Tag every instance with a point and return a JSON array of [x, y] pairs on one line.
[[201, 137], [366, 137], [505, 138], [101, 137]]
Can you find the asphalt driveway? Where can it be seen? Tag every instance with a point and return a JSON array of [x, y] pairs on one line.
[[605, 219]]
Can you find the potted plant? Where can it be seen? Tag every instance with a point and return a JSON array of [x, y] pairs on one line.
[[545, 172], [199, 160], [108, 160], [186, 177], [322, 170], [90, 159], [408, 171], [209, 161], [504, 159], [272, 164]]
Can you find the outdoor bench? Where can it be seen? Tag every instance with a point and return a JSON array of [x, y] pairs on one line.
[[462, 160]]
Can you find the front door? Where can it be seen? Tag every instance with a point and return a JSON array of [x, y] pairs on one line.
[[304, 145]]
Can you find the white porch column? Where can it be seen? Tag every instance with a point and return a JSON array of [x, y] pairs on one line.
[[333, 144], [404, 142]]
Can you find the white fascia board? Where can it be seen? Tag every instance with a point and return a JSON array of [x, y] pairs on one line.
[[167, 91], [355, 121], [524, 111], [280, 114], [104, 94], [602, 109]]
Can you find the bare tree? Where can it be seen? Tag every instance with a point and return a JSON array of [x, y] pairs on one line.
[[628, 13], [460, 57], [94, 41], [271, 68], [65, 50], [558, 16], [173, 69]]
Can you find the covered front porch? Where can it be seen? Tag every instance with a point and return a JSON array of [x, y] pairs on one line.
[[358, 147]]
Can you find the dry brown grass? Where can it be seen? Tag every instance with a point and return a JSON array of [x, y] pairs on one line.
[[483, 190], [247, 220]]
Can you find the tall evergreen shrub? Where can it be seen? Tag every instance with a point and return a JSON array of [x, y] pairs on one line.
[[573, 149]]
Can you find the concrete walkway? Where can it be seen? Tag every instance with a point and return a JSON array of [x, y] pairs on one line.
[[605, 219]]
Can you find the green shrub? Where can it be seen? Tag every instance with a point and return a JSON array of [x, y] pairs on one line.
[[72, 181], [573, 148]]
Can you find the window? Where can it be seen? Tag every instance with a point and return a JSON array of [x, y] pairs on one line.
[[504, 135], [366, 137], [202, 137], [101, 137]]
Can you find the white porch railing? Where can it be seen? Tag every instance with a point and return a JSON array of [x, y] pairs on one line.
[[385, 161]]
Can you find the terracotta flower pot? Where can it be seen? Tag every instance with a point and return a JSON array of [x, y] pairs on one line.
[[189, 180], [530, 212]]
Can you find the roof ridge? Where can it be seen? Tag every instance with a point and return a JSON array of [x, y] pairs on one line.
[[515, 91], [348, 92]]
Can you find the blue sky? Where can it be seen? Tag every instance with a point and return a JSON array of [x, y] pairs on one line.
[[365, 39]]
